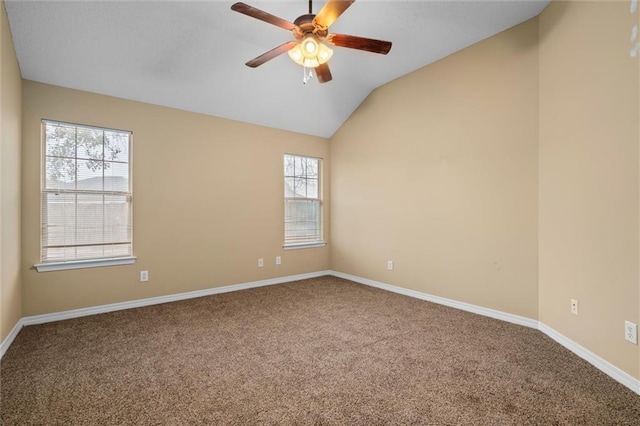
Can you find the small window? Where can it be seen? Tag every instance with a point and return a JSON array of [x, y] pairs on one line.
[[302, 202], [86, 193]]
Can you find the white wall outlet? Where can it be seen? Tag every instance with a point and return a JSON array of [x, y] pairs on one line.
[[390, 265], [278, 260], [631, 332], [144, 276], [574, 306], [260, 263]]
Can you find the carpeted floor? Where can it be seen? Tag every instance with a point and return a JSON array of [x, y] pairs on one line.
[[319, 351]]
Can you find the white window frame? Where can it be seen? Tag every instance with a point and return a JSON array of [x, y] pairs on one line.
[[292, 244], [81, 263]]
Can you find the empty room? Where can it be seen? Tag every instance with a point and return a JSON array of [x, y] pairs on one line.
[[320, 212]]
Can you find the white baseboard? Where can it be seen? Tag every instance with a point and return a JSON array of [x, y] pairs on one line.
[[600, 363], [487, 312], [112, 307], [10, 337], [603, 365]]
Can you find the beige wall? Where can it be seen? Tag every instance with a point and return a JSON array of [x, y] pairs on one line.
[[208, 201], [589, 176], [438, 171], [10, 142]]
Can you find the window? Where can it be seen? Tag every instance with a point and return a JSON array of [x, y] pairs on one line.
[[302, 202], [86, 197]]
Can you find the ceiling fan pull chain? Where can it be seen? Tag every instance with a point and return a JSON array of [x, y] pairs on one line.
[[306, 77]]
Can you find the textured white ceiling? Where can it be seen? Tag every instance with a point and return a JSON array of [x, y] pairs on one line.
[[190, 55]]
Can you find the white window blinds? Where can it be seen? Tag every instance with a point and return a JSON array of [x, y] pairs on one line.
[[86, 193], [302, 200]]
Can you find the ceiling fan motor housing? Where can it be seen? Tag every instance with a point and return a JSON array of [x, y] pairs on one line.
[[306, 25]]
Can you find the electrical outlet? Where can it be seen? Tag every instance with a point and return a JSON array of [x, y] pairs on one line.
[[278, 260], [631, 332], [574, 306], [260, 263], [144, 276], [390, 265]]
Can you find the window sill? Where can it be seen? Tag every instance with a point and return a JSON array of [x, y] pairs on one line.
[[81, 264], [297, 246]]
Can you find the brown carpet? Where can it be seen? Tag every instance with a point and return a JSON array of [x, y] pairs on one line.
[[320, 351]]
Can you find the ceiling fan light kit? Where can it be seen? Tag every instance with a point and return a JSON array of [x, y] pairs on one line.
[[311, 31], [310, 53]]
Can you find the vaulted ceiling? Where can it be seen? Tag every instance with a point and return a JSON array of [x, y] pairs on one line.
[[191, 54]]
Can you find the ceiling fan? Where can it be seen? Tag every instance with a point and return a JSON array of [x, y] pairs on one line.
[[310, 31]]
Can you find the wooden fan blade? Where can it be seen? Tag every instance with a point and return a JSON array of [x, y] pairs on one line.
[[262, 15], [323, 73], [267, 56], [360, 43], [331, 11]]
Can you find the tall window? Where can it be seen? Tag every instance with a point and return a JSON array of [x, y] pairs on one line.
[[86, 193], [302, 202]]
